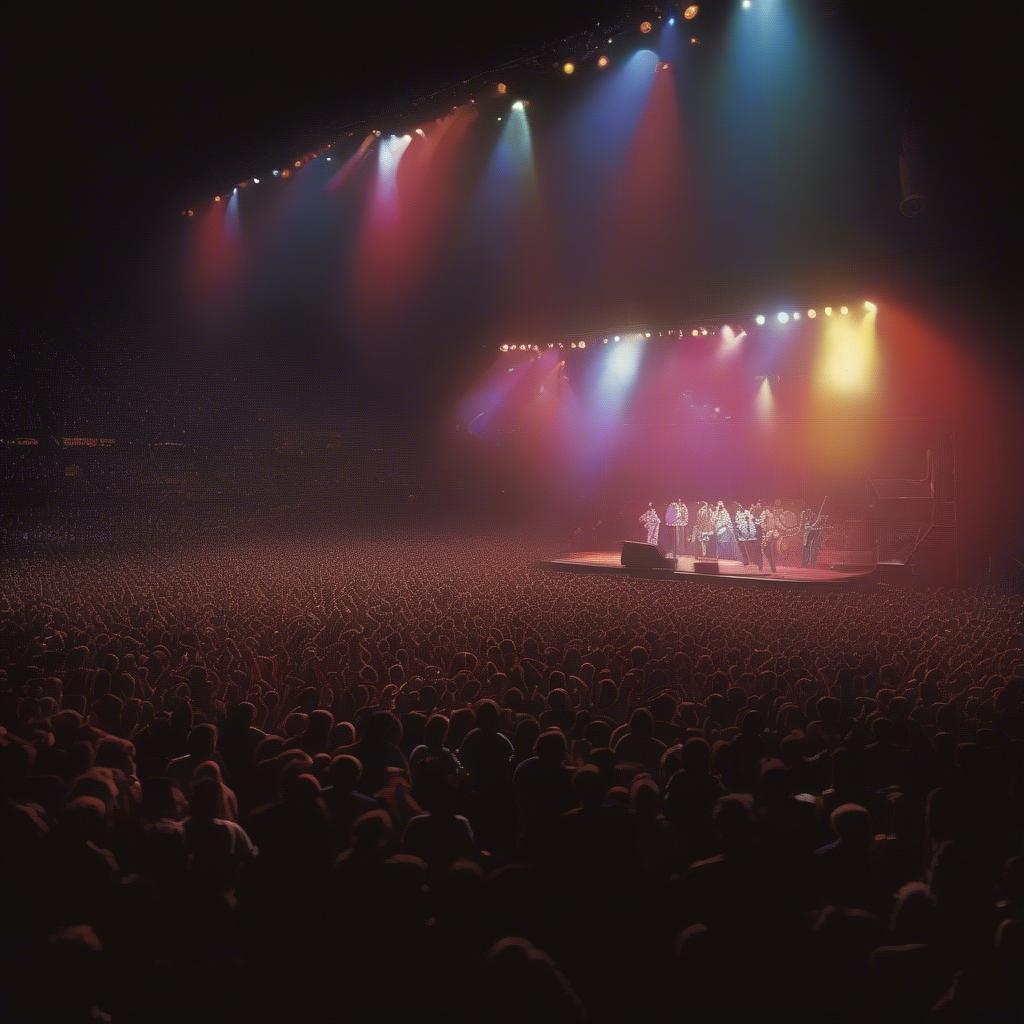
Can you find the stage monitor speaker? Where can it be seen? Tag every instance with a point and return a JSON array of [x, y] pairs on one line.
[[644, 556], [707, 566]]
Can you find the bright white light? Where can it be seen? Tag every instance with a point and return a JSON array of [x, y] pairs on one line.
[[518, 105], [811, 314], [276, 173], [783, 318], [759, 319], [844, 310], [828, 311], [796, 315], [870, 306], [746, 5], [255, 181]]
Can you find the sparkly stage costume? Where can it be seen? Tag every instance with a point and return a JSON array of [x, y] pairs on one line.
[[725, 536], [746, 534], [771, 531], [650, 520], [677, 516], [703, 527]]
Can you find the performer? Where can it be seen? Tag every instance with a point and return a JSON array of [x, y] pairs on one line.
[[813, 524], [703, 528], [650, 520], [746, 533], [725, 536], [771, 531], [677, 516]]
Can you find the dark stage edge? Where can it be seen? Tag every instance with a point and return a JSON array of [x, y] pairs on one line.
[[608, 563]]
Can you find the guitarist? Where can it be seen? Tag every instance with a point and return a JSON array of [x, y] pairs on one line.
[[813, 525]]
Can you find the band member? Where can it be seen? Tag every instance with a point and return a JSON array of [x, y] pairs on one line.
[[650, 520], [813, 524], [771, 531], [725, 536], [746, 533], [703, 527], [677, 516]]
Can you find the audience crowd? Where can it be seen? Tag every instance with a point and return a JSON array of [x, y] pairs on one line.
[[345, 778]]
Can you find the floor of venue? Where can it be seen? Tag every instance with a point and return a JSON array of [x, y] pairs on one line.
[[729, 570]]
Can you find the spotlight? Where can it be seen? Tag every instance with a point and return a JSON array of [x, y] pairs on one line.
[[568, 67], [573, 345], [828, 311], [216, 199], [796, 315], [583, 344], [691, 12], [759, 319], [519, 105], [694, 332], [647, 334], [327, 158], [664, 66], [870, 306], [811, 314], [234, 191], [275, 173], [602, 61], [255, 181], [843, 310], [298, 163], [190, 213], [694, 41], [286, 173], [704, 332], [504, 348], [502, 88], [618, 338], [419, 131], [522, 348], [746, 5], [783, 318], [605, 341], [645, 27], [671, 22]]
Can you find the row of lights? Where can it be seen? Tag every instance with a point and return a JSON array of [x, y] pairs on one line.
[[784, 316], [689, 12]]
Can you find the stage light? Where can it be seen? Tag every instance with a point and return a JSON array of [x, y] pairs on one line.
[[602, 61], [664, 66], [618, 338], [704, 332], [671, 22], [522, 348], [327, 158], [746, 5], [504, 348], [694, 332], [694, 41], [843, 310], [419, 131], [811, 314], [783, 318], [828, 311], [568, 67], [519, 105], [298, 163], [583, 344], [216, 199], [645, 27], [573, 345], [502, 88], [691, 12], [275, 173], [870, 306], [759, 319], [796, 315], [286, 173], [255, 181], [234, 191], [647, 334]]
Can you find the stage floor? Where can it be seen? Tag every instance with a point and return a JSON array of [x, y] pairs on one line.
[[729, 571]]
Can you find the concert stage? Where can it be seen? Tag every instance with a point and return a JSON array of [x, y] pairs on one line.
[[729, 571]]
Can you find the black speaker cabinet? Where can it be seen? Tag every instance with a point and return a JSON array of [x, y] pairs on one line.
[[707, 566], [644, 556]]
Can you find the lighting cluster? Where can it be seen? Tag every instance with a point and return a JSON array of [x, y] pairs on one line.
[[784, 316], [732, 328], [590, 45]]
